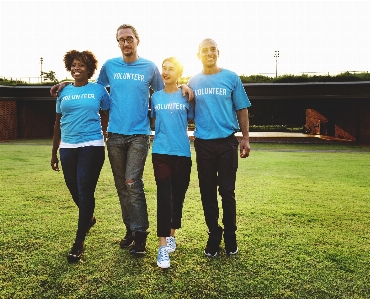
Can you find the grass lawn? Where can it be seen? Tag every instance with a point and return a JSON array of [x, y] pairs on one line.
[[303, 214]]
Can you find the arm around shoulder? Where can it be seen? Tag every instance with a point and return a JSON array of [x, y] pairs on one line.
[[55, 89], [187, 90]]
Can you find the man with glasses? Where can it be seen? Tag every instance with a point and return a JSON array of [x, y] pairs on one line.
[[221, 109], [130, 79]]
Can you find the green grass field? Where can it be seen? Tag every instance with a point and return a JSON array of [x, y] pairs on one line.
[[303, 214]]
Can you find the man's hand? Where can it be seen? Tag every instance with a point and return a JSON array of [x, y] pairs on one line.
[[244, 148], [54, 90], [187, 90]]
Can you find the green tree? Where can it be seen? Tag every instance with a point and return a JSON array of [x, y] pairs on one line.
[[49, 76]]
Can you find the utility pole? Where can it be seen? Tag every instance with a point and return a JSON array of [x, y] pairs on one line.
[[276, 57], [41, 73]]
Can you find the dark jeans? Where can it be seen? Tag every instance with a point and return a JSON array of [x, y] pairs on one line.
[[172, 176], [81, 168], [127, 155], [217, 163]]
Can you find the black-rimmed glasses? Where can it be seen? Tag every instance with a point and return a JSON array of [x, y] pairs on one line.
[[129, 40]]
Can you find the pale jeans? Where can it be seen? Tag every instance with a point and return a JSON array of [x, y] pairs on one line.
[[127, 155]]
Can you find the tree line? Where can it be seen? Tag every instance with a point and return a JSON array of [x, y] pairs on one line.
[[50, 79]]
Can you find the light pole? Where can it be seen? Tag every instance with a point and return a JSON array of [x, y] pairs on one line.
[[276, 57], [41, 60]]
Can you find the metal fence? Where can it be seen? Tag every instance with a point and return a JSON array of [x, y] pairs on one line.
[[23, 79], [29, 80]]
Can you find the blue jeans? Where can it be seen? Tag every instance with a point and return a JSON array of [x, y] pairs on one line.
[[81, 169], [127, 155], [217, 164]]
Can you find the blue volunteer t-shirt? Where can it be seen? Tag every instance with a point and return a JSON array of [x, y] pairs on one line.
[[129, 92], [172, 112], [79, 106], [217, 98]]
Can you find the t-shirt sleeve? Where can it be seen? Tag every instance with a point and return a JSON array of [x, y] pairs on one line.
[[152, 110], [157, 82], [57, 105], [102, 77], [239, 96], [191, 112], [105, 100]]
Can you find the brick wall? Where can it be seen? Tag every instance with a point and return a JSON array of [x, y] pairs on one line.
[[36, 119], [8, 120], [316, 122]]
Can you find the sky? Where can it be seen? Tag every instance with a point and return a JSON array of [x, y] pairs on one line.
[[312, 37]]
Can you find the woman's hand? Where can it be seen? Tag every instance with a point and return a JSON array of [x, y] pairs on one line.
[[54, 162]]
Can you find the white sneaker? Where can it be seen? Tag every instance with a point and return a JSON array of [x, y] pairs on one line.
[[163, 259], [171, 244]]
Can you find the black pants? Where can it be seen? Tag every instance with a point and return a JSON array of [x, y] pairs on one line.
[[172, 176], [217, 163]]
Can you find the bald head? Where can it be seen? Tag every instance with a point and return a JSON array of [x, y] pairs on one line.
[[206, 40]]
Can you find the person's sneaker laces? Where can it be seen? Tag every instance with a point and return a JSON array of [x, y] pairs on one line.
[[171, 244], [127, 240], [163, 259], [76, 252]]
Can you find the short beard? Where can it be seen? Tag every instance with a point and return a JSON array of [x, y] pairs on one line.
[[128, 54]]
